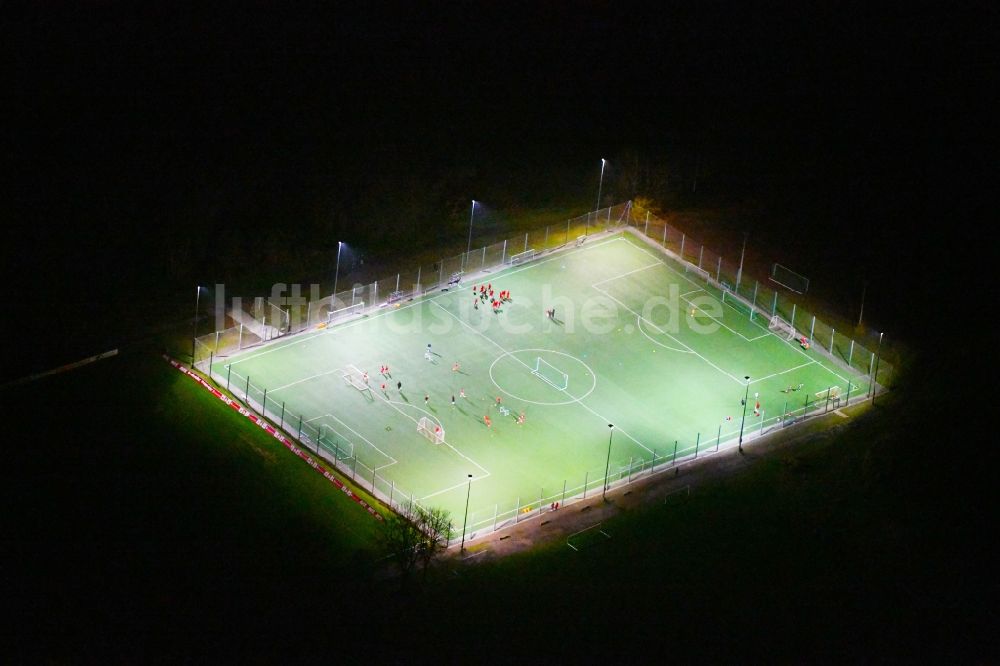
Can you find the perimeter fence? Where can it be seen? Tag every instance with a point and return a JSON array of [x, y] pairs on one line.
[[259, 320]]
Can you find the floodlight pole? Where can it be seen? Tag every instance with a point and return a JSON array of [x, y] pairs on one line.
[[336, 274], [743, 420], [739, 273], [878, 356], [194, 326], [468, 247], [600, 184], [607, 466], [465, 520]]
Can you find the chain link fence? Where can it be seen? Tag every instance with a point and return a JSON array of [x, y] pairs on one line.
[[256, 321]]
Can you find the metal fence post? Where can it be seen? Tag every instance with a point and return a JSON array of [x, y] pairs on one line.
[[792, 322], [683, 238], [563, 500], [832, 331], [545, 243], [697, 442], [718, 438], [246, 393], [812, 327], [645, 232], [526, 241], [263, 405], [496, 510], [701, 255], [774, 304], [300, 428], [674, 459], [503, 253], [585, 476], [850, 353], [664, 235], [229, 372], [281, 424], [517, 508]]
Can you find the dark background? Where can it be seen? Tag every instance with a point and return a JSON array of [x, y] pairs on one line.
[[149, 148]]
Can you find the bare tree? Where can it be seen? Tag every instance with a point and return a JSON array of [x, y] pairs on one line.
[[435, 528], [403, 539]]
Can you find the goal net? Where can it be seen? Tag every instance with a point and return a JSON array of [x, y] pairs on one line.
[[430, 430], [334, 442], [356, 378], [782, 327], [522, 257], [700, 272], [341, 314], [550, 374]]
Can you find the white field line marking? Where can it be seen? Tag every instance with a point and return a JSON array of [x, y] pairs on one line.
[[682, 296], [695, 284], [671, 337], [798, 367], [308, 337], [305, 379], [618, 277], [362, 437], [638, 323], [450, 488], [579, 402], [436, 420]]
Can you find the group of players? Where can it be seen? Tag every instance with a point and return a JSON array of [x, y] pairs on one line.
[[456, 367], [484, 293]]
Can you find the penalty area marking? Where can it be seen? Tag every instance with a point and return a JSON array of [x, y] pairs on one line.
[[638, 323]]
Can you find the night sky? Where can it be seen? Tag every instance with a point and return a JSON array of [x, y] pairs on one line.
[[150, 147]]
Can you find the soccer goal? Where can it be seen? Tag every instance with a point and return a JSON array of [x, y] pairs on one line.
[[430, 430], [782, 327], [341, 314], [356, 378], [335, 443], [550, 374], [700, 272], [522, 257]]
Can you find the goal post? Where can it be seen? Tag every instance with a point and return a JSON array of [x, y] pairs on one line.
[[430, 430], [356, 378], [550, 374], [782, 327], [335, 316], [522, 257]]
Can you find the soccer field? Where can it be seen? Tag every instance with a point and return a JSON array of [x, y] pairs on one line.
[[635, 341]]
